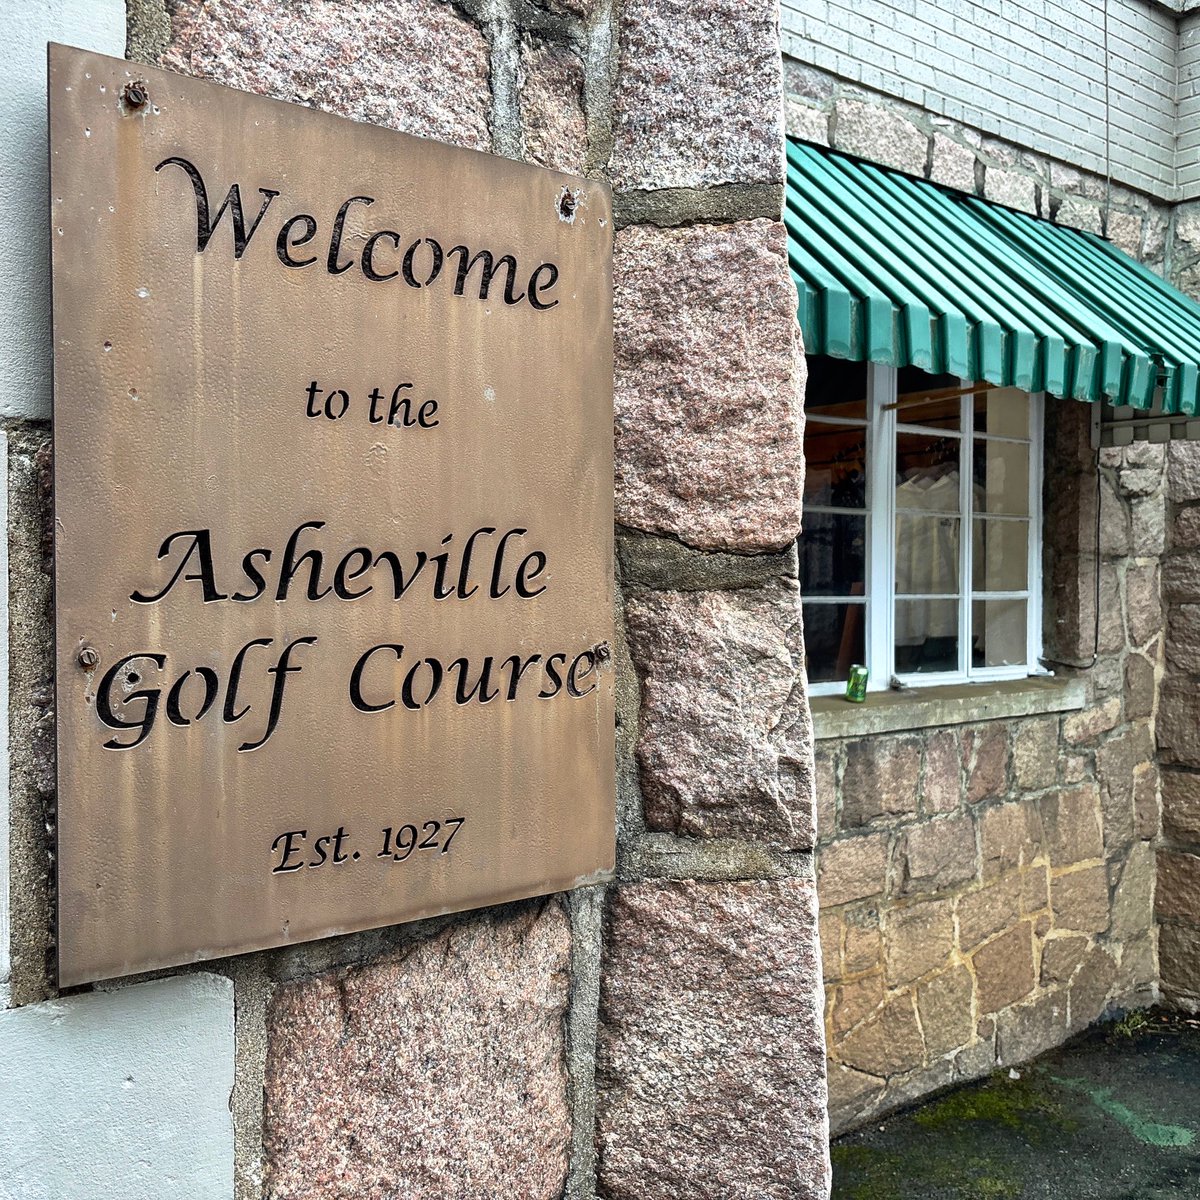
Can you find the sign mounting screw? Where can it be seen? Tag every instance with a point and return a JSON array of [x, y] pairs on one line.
[[135, 95], [89, 657]]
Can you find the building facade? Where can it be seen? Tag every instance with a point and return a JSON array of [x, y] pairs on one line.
[[1003, 848], [1004, 863], [658, 1036]]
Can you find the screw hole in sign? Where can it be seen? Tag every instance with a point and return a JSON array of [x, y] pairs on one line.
[[568, 204]]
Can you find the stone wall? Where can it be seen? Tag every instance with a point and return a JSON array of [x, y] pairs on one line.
[[831, 111], [986, 886], [1178, 898], [662, 1036]]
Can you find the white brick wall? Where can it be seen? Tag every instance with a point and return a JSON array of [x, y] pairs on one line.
[[1188, 149], [1028, 71]]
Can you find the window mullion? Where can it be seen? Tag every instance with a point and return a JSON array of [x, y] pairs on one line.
[[881, 537], [1033, 611]]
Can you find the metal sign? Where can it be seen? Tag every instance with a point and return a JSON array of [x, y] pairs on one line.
[[333, 527]]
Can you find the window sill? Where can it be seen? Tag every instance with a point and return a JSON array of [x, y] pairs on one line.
[[958, 704]]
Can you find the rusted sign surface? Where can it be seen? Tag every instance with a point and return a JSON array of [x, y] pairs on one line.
[[333, 491]]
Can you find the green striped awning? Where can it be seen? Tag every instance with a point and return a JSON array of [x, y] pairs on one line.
[[894, 270]]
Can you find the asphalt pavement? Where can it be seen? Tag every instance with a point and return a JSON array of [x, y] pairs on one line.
[[1114, 1115]]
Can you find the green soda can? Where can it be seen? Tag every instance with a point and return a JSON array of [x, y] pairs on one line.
[[856, 685]]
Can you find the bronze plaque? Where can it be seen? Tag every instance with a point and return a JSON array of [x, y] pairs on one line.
[[333, 529]]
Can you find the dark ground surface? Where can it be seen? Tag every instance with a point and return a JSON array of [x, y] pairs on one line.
[[1115, 1115]]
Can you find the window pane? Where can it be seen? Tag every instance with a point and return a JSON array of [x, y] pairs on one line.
[[834, 640], [927, 472], [934, 400], [836, 388], [835, 465], [1002, 412], [926, 636], [926, 555], [833, 555], [1000, 556], [998, 633], [1001, 477]]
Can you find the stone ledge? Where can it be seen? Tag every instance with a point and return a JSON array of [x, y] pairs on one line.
[[1180, 8], [957, 704]]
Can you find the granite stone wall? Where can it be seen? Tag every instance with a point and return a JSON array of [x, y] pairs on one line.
[[661, 1036], [1178, 897]]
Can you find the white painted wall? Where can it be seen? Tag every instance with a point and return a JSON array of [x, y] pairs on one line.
[[120, 1095], [26, 26]]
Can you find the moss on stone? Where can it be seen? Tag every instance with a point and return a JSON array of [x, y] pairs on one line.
[[866, 1173], [1024, 1104]]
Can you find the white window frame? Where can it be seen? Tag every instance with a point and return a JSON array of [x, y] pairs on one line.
[[880, 582]]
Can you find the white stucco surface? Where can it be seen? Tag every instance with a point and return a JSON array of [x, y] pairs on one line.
[[120, 1095], [27, 25]]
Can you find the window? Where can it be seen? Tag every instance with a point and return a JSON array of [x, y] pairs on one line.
[[921, 550]]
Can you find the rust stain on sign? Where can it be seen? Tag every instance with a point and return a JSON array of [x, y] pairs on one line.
[[333, 487]]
